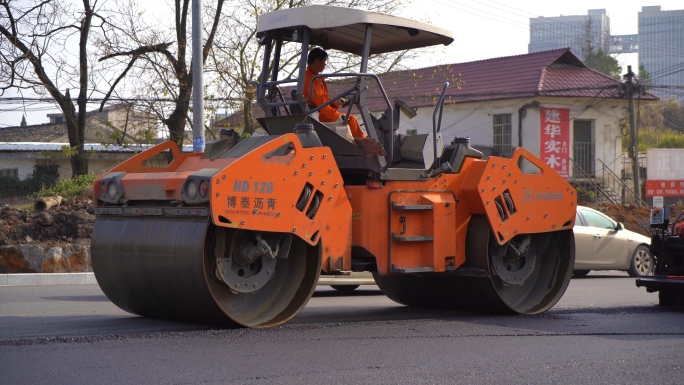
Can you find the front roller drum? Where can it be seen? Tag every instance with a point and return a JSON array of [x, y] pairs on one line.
[[167, 268], [528, 275]]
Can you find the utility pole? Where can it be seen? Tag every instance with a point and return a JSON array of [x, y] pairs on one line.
[[633, 148], [197, 80]]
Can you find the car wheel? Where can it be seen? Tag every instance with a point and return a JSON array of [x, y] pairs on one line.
[[642, 262], [345, 288], [580, 273]]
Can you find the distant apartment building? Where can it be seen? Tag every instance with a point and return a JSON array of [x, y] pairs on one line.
[[577, 32], [661, 50], [659, 42]]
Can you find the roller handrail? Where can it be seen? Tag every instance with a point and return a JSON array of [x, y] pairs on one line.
[[437, 125], [307, 100]]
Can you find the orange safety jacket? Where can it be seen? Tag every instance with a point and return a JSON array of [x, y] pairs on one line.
[[321, 96]]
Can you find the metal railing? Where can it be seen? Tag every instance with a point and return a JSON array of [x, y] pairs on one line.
[[588, 186], [619, 186], [603, 184], [583, 158]]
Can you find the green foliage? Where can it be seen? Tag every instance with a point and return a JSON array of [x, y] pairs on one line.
[[23, 121], [651, 137], [673, 115], [43, 175], [69, 187], [584, 196], [644, 76], [671, 139], [659, 125], [604, 63]]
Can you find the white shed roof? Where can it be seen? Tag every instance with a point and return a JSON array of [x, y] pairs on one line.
[[97, 147], [344, 29]]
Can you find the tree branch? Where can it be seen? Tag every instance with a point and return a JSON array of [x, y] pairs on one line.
[[140, 51], [210, 39], [123, 74]]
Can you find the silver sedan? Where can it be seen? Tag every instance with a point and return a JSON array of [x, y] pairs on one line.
[[601, 243]]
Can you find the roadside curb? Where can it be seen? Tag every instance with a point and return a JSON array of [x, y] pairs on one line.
[[47, 279]]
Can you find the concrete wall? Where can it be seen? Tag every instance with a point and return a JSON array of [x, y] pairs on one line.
[[25, 161]]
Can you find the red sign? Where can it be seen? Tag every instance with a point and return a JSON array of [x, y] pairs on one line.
[[555, 139], [666, 188]]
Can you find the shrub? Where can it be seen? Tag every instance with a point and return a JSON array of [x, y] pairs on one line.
[[44, 175], [68, 187]]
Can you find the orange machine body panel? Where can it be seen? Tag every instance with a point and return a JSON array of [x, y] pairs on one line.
[[147, 182], [541, 199], [420, 226], [277, 187], [261, 191]]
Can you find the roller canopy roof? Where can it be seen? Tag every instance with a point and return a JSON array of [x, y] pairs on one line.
[[344, 29]]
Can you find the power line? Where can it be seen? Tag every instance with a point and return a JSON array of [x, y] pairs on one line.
[[99, 100]]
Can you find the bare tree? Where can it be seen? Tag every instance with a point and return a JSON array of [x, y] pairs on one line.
[[237, 57], [158, 61], [151, 57], [36, 57]]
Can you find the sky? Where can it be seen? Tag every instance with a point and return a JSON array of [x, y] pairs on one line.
[[482, 29]]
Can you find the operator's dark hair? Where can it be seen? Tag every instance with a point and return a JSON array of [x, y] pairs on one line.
[[316, 54]]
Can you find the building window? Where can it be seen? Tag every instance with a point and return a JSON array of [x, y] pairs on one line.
[[9, 173], [502, 135], [413, 131]]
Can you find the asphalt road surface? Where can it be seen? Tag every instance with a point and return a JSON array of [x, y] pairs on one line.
[[604, 330]]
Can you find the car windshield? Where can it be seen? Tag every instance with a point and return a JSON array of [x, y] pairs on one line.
[[595, 219]]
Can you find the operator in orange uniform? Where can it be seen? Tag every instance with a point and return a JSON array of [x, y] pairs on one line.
[[316, 64]]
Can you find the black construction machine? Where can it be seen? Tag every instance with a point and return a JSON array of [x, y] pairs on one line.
[[667, 247]]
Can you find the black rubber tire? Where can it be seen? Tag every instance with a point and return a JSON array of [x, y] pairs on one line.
[[580, 273], [345, 288], [642, 262]]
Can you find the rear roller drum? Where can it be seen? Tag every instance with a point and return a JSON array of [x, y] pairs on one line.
[[192, 271], [527, 275]]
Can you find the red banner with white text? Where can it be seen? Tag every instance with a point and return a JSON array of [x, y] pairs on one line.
[[555, 139]]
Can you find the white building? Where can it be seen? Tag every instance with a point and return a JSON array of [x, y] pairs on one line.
[[547, 102]]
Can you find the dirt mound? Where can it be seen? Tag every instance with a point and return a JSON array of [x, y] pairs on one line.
[[635, 218], [72, 221], [69, 223]]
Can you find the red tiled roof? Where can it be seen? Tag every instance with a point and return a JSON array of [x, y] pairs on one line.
[[557, 73], [571, 81], [554, 73]]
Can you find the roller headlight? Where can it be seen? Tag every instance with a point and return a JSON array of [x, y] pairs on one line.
[[197, 185], [111, 191], [192, 189]]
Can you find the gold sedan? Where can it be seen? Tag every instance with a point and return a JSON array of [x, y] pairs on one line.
[[601, 243]]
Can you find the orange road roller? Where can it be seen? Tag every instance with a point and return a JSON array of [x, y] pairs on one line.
[[239, 235]]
